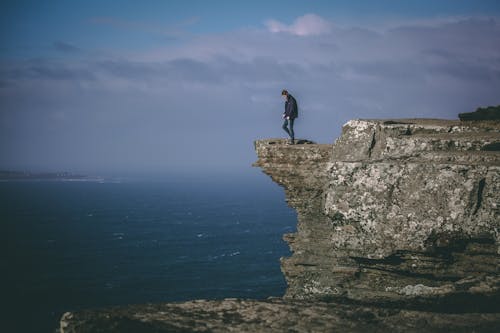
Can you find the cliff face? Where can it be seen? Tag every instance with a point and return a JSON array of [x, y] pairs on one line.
[[403, 212]]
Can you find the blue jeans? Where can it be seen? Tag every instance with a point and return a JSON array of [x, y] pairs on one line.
[[289, 131]]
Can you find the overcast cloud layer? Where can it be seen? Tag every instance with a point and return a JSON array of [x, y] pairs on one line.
[[198, 103]]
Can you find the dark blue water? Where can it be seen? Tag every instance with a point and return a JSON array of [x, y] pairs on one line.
[[74, 245]]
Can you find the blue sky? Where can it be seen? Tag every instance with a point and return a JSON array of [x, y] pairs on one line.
[[169, 86], [28, 26]]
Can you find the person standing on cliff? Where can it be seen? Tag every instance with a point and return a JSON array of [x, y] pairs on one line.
[[291, 112]]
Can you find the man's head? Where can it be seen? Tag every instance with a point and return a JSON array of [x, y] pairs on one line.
[[284, 94]]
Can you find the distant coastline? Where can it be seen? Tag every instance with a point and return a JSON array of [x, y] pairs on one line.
[[6, 175]]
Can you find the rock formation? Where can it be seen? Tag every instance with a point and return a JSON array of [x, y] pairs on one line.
[[403, 213], [273, 315], [398, 230]]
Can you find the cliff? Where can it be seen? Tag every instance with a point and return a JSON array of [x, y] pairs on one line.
[[401, 213], [398, 230]]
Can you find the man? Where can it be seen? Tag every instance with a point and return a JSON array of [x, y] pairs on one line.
[[291, 112]]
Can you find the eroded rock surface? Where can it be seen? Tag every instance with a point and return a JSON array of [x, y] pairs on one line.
[[275, 315], [400, 212]]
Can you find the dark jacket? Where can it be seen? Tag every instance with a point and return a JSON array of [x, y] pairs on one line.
[[291, 108]]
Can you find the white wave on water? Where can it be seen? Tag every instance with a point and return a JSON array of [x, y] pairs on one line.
[[118, 235], [231, 254]]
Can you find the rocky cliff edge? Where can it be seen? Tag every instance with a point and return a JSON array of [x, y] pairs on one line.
[[401, 212]]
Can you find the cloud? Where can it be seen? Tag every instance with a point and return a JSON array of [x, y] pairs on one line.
[[307, 25], [162, 108]]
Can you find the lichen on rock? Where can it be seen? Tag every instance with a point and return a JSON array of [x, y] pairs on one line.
[[395, 211]]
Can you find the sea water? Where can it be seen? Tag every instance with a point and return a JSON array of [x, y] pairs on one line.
[[73, 245]]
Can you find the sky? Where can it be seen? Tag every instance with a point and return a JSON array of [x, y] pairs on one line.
[[103, 87]]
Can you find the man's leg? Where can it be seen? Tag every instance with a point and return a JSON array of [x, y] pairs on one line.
[[285, 127], [292, 134]]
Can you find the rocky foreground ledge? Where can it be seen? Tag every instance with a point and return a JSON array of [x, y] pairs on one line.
[[398, 231], [274, 315]]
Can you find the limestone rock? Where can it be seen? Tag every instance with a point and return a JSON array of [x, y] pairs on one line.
[[402, 212], [275, 315]]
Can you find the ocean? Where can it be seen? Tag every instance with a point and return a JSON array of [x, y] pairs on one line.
[[73, 245]]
